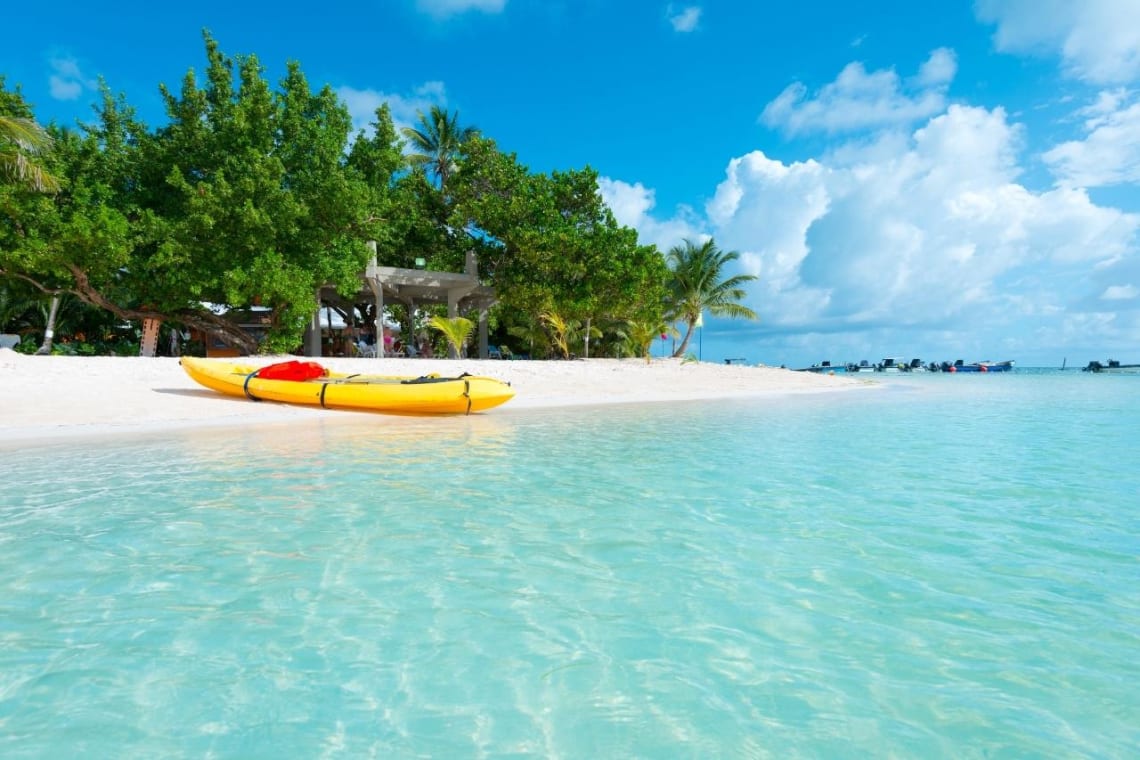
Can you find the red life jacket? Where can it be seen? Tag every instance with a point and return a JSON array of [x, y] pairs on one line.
[[292, 370]]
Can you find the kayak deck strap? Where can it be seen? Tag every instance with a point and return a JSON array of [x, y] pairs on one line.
[[428, 379], [245, 385]]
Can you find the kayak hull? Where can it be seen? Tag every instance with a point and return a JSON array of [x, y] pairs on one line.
[[374, 393]]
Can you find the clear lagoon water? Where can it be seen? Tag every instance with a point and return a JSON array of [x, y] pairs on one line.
[[947, 567]]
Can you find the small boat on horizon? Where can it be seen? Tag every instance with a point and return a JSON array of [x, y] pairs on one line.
[[892, 364], [1114, 367], [986, 366], [823, 367]]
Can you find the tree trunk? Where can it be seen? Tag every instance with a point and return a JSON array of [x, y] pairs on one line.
[[586, 341], [49, 330], [207, 322], [148, 346], [685, 343]]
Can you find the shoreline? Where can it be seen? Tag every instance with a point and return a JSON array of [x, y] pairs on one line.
[[56, 398]]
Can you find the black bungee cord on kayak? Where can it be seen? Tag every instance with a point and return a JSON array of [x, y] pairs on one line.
[[245, 385]]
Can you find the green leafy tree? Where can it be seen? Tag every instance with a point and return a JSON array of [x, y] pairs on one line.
[[244, 197], [22, 143], [408, 211], [377, 160], [74, 241], [18, 305], [260, 208], [698, 283], [548, 242]]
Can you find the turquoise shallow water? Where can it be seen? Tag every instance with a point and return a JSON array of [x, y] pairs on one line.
[[949, 567]]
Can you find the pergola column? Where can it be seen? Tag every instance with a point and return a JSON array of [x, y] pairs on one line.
[[313, 331], [377, 287], [482, 333], [408, 328], [378, 294]]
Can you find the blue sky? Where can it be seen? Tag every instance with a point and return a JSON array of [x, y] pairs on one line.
[[935, 180]]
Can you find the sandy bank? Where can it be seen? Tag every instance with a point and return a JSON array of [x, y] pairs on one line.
[[54, 396]]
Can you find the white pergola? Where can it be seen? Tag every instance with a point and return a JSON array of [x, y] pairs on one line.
[[461, 291]]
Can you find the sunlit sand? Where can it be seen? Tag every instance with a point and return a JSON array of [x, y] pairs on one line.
[[53, 396]]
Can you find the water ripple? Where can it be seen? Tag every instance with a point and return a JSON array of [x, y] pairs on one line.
[[950, 571]]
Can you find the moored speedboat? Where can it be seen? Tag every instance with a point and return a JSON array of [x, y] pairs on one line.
[[987, 366], [823, 367], [891, 364], [1113, 367]]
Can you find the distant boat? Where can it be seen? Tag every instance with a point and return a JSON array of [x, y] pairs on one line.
[[961, 366], [1112, 366], [823, 367], [891, 364], [863, 366]]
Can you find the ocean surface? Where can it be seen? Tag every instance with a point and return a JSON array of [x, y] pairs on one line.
[[948, 567]]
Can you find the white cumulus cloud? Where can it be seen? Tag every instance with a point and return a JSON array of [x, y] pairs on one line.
[[939, 233], [935, 237], [1110, 152], [939, 69], [632, 206], [446, 8], [859, 99], [1098, 40]]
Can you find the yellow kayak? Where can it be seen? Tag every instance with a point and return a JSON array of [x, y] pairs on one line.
[[429, 394]]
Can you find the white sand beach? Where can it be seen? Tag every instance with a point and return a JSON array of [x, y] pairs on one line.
[[43, 397]]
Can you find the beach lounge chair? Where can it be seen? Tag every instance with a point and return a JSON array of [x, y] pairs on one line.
[[505, 353], [494, 353]]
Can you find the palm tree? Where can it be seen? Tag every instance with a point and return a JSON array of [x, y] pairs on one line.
[[21, 140], [696, 285], [641, 334], [533, 335], [438, 141], [559, 332], [455, 329]]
